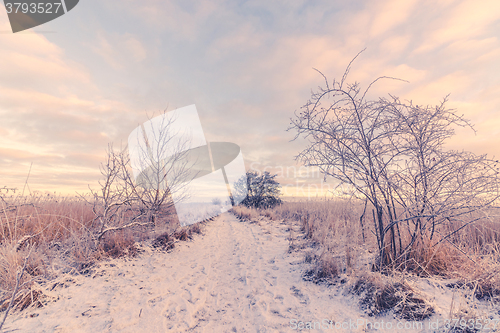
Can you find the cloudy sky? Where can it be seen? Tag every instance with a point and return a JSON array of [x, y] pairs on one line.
[[73, 85]]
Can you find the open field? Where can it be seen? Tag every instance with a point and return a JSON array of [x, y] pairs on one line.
[[53, 236], [338, 227], [236, 277], [266, 271], [344, 248]]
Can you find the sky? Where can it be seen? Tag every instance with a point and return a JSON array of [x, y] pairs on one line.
[[71, 86]]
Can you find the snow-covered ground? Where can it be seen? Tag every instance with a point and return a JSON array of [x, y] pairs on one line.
[[236, 277]]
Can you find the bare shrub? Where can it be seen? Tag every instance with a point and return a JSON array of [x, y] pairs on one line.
[[262, 191], [195, 229], [133, 190], [391, 154], [164, 241], [182, 234]]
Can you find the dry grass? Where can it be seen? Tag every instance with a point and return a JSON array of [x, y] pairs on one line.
[[326, 267], [380, 294], [60, 232], [245, 213], [164, 242], [335, 226], [47, 225], [118, 244]]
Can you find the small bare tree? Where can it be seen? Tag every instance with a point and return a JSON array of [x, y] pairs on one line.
[[113, 207], [163, 165], [391, 154]]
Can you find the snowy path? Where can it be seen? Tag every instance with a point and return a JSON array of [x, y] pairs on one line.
[[237, 277]]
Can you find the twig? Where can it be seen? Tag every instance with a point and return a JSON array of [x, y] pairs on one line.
[[26, 183], [18, 280], [130, 225]]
